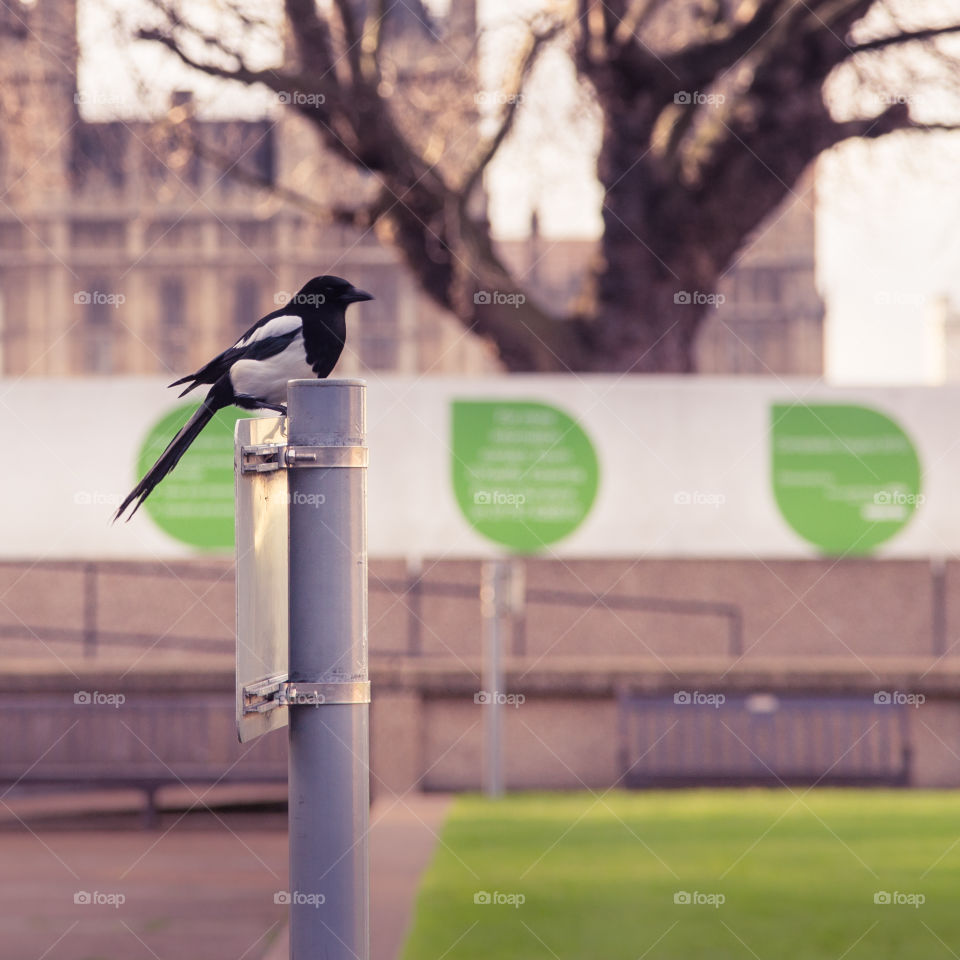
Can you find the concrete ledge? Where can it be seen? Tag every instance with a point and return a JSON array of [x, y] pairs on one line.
[[588, 675], [602, 677]]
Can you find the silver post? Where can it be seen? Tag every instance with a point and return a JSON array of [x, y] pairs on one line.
[[495, 577], [518, 607], [329, 742]]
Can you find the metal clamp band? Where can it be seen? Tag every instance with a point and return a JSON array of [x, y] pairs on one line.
[[276, 692], [266, 457], [306, 456], [298, 693]]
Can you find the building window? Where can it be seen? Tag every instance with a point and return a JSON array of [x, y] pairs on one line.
[[246, 305], [375, 323], [3, 335], [173, 332], [98, 329], [766, 285]]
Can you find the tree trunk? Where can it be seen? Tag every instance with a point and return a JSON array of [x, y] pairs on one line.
[[652, 329], [655, 278]]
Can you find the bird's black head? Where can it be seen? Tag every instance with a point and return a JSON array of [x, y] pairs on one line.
[[328, 290]]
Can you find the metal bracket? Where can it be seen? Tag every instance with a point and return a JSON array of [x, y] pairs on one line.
[[279, 692], [262, 696], [266, 457]]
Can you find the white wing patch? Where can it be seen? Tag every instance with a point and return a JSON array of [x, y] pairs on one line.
[[267, 379], [276, 327]]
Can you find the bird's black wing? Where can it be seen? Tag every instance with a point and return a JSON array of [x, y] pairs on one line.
[[268, 336], [260, 349]]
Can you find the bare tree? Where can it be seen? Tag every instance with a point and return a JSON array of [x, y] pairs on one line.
[[711, 111]]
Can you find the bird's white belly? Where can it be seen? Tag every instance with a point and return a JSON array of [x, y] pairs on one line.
[[267, 379]]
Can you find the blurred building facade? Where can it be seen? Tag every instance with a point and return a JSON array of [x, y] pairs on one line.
[[945, 318], [122, 252], [772, 318]]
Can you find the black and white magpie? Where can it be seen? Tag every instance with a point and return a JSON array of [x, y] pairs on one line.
[[301, 340]]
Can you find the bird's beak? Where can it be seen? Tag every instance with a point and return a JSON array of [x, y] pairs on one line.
[[356, 295]]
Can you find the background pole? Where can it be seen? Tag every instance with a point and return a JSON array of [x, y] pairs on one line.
[[329, 743], [494, 588]]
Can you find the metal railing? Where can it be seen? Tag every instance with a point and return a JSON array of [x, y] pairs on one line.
[[92, 639], [762, 739], [414, 589], [89, 636]]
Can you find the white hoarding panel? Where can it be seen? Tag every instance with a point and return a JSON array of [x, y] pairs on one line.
[[566, 466]]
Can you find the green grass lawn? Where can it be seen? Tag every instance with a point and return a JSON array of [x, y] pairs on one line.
[[797, 872]]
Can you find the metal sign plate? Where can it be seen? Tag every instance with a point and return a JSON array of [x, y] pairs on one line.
[[262, 572]]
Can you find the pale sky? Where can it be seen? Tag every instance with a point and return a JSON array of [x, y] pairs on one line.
[[888, 223], [888, 246]]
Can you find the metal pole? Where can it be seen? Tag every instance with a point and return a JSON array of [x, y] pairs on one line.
[[938, 595], [414, 606], [494, 580], [329, 742], [89, 609], [518, 606]]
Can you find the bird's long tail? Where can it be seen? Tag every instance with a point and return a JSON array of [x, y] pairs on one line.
[[176, 448]]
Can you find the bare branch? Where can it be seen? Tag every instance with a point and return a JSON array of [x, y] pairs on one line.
[[883, 43], [699, 64], [354, 215], [311, 35], [595, 23], [351, 37], [512, 100], [242, 74], [372, 41], [633, 21], [894, 119]]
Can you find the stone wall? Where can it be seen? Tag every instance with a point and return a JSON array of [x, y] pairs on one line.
[[850, 629]]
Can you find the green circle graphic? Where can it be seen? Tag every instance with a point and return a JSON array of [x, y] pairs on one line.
[[845, 477], [194, 503], [524, 474]]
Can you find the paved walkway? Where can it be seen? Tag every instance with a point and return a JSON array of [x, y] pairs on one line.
[[201, 886], [403, 834]]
